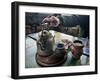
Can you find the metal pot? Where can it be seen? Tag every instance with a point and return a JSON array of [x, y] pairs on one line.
[[45, 43]]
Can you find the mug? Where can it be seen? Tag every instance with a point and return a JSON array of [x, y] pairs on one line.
[[60, 49], [77, 49]]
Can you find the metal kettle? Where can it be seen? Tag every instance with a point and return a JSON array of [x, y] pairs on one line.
[[45, 43]]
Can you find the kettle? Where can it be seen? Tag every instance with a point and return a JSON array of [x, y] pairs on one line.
[[45, 43]]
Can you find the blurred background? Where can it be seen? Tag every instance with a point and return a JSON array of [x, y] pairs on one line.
[[34, 20]]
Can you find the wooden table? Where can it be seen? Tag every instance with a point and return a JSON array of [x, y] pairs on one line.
[[31, 50]]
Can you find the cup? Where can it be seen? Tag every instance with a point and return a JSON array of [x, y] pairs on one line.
[[77, 49], [60, 49]]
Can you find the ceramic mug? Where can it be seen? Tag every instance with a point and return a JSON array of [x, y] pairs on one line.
[[77, 49], [60, 49]]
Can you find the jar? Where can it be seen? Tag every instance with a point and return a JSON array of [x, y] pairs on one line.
[[60, 50], [77, 49]]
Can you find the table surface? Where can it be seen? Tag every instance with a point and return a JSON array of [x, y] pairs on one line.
[[31, 50]]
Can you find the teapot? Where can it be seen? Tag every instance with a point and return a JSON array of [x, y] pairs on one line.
[[45, 43], [49, 53]]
